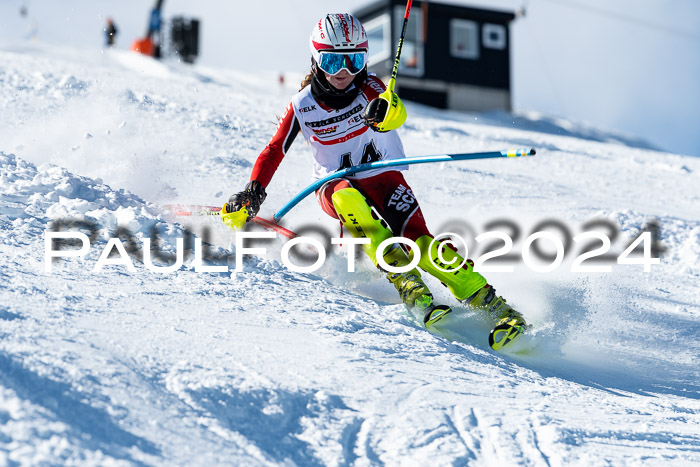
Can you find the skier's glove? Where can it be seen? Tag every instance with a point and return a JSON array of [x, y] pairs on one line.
[[383, 115], [251, 198]]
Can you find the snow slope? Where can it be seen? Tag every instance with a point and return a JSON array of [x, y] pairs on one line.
[[267, 366]]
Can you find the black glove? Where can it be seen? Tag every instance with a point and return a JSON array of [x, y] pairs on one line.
[[375, 113], [251, 198]]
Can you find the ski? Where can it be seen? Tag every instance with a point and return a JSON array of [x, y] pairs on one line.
[[505, 333], [435, 313]]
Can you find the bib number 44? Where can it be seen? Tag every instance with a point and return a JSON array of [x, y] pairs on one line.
[[369, 154]]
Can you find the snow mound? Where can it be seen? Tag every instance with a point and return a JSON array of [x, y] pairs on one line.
[[33, 199]]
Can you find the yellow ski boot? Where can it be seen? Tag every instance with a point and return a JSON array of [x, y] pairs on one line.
[[470, 288], [357, 217], [509, 323], [462, 281], [412, 290], [487, 300]]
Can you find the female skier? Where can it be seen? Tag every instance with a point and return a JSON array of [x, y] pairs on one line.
[[339, 115]]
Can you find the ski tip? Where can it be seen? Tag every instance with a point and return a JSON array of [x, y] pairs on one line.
[[435, 314], [503, 335]]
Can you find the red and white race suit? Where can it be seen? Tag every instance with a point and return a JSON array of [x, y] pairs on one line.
[[340, 139]]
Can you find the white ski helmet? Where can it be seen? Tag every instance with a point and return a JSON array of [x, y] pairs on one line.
[[340, 33]]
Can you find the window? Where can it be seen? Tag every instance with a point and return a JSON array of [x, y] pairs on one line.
[[379, 35], [464, 39], [494, 36], [412, 62]]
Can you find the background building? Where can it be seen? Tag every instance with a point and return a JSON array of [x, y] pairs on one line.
[[453, 56]]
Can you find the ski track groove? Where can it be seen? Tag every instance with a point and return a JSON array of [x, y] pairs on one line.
[[456, 420], [350, 438]]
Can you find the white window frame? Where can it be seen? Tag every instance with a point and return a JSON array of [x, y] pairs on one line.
[[417, 16], [383, 21], [499, 44], [472, 28]]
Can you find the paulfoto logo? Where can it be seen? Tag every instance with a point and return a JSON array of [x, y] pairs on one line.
[[542, 251]]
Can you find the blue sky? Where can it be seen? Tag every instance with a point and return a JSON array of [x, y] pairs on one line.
[[627, 65]]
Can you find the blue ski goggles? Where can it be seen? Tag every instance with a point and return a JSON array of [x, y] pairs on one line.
[[333, 62]]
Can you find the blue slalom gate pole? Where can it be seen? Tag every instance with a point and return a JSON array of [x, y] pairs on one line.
[[521, 152]]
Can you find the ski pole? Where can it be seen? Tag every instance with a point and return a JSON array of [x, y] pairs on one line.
[[395, 70], [193, 210], [522, 152], [388, 108]]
